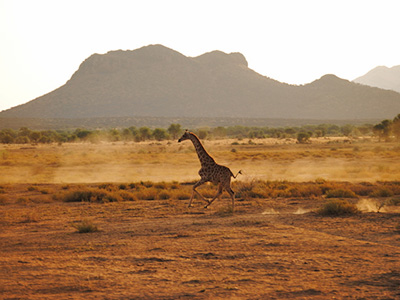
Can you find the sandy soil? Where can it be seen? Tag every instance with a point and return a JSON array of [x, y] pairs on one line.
[[160, 249]]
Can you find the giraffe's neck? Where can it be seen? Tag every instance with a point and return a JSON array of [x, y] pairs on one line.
[[204, 157]]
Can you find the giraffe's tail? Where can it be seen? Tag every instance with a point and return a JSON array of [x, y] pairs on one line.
[[234, 176]]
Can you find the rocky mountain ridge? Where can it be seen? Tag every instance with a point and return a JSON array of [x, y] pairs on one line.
[[155, 81], [382, 77]]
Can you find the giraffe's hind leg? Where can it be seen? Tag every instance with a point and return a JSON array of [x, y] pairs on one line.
[[232, 194], [216, 196]]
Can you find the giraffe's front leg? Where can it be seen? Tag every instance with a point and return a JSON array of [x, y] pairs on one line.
[[191, 198], [195, 191]]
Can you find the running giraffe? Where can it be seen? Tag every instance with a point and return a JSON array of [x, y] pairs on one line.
[[210, 171]]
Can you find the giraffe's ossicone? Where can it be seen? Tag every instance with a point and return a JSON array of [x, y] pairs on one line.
[[210, 171]]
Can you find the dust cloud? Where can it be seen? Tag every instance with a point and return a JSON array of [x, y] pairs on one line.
[[306, 169], [376, 205], [132, 162], [270, 211], [299, 211], [368, 205]]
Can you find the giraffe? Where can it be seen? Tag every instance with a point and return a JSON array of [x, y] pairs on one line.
[[210, 171]]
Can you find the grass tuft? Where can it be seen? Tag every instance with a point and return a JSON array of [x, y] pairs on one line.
[[224, 211], [340, 193], [147, 194], [338, 207], [91, 195], [382, 192], [85, 226]]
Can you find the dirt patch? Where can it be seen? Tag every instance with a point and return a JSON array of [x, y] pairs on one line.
[[160, 249]]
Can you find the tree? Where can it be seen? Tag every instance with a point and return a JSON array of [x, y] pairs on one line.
[[303, 137], [174, 130], [159, 134], [35, 136], [126, 134], [82, 133], [144, 133], [290, 131], [347, 129], [319, 133], [6, 138], [202, 133], [23, 139], [382, 130], [24, 131], [114, 135], [365, 129], [134, 133], [219, 132], [396, 127]]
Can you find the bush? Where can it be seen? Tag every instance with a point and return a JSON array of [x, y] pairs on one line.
[[147, 184], [3, 200], [164, 195], [252, 189], [224, 211], [85, 226], [362, 189], [303, 138], [127, 196], [340, 193], [310, 190], [338, 208], [394, 202], [382, 192], [182, 195], [147, 194], [122, 186], [91, 195], [32, 188]]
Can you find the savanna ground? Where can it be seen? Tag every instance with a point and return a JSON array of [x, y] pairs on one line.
[[144, 243]]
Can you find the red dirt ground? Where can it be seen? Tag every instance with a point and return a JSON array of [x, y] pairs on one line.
[[160, 249]]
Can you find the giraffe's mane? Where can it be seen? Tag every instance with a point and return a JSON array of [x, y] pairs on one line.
[[201, 144]]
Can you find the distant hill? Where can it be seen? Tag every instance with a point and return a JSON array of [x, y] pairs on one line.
[[382, 77], [155, 81]]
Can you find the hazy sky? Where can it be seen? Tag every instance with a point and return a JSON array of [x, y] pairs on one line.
[[43, 42]]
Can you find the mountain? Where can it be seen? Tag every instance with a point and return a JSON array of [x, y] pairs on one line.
[[382, 77], [156, 81]]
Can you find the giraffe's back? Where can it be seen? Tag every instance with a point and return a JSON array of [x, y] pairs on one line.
[[216, 174]]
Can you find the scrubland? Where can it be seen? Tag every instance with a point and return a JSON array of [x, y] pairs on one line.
[[110, 221]]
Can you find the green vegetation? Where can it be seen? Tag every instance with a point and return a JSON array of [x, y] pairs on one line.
[[303, 133], [386, 130]]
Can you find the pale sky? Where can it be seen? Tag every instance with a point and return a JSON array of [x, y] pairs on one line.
[[43, 42]]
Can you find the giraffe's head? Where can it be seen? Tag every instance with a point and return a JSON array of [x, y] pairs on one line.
[[185, 136]]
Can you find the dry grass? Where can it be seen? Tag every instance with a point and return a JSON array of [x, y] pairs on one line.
[[267, 159], [255, 191], [338, 207], [85, 226]]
